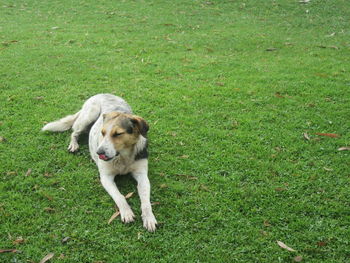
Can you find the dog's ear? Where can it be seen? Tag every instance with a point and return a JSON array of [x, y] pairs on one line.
[[140, 124], [110, 115]]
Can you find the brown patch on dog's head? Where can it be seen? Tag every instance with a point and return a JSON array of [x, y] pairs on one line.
[[123, 129]]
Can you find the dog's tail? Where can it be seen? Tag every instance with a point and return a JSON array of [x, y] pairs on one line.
[[61, 125]]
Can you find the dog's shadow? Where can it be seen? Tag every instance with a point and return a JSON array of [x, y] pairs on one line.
[[125, 181], [84, 137]]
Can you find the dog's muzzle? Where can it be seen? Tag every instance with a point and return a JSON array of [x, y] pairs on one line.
[[102, 155]]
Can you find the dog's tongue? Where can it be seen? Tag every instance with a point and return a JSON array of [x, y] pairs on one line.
[[103, 157]]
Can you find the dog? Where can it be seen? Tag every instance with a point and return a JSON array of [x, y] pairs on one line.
[[117, 144]]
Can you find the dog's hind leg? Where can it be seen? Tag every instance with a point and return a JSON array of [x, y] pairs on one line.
[[87, 116]]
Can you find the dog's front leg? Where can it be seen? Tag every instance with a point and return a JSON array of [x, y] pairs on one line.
[[108, 183], [144, 189]]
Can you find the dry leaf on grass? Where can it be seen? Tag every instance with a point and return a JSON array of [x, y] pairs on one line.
[[187, 176], [267, 223], [117, 213], [155, 203], [278, 95], [331, 35], [298, 259], [344, 149], [47, 257], [65, 240], [28, 172], [280, 189], [321, 243], [129, 195], [264, 233], [332, 135], [49, 210], [9, 250], [282, 245], [2, 139], [50, 198], [19, 240], [204, 187], [306, 136]]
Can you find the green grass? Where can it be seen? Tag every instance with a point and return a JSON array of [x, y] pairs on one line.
[[229, 165]]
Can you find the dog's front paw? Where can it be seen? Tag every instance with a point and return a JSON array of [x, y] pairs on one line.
[[149, 222], [127, 216], [73, 147]]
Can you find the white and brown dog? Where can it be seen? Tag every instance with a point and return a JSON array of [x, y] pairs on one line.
[[118, 145]]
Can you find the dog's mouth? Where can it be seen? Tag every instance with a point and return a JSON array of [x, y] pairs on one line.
[[104, 157]]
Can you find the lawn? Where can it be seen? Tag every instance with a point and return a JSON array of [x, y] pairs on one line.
[[248, 103]]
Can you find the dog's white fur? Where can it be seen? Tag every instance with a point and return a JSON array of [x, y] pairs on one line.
[[92, 112]]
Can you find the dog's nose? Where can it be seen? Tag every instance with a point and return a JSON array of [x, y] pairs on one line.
[[100, 152]]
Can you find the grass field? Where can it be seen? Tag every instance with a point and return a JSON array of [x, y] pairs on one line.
[[235, 93]]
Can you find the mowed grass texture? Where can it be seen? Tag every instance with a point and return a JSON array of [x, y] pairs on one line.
[[228, 88]]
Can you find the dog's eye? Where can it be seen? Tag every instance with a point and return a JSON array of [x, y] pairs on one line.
[[103, 133], [117, 134]]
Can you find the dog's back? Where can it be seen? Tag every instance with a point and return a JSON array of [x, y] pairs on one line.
[[92, 109], [108, 103]]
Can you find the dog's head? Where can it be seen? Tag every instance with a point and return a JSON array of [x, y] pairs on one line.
[[120, 133]]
